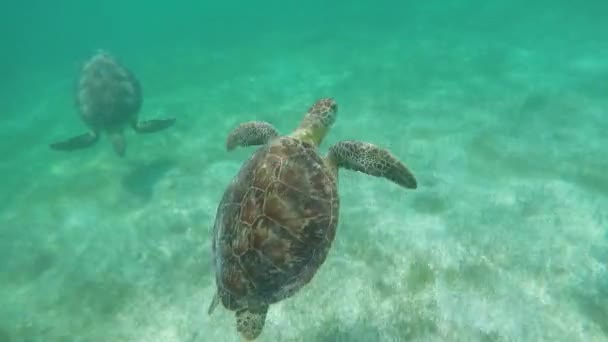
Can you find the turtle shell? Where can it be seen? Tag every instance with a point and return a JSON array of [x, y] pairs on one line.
[[107, 93], [275, 224]]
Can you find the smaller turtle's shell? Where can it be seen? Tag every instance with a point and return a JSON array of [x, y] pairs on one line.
[[107, 93], [275, 224]]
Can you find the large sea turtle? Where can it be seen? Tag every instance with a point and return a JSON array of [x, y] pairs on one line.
[[278, 217], [108, 98]]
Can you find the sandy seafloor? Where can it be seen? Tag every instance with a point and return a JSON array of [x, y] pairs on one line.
[[504, 240]]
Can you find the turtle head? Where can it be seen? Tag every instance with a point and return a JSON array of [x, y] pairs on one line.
[[318, 120]]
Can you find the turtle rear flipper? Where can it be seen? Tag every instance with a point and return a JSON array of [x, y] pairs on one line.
[[372, 160], [152, 126], [75, 143], [250, 322], [250, 133], [214, 302]]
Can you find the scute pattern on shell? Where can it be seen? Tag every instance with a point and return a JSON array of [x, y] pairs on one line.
[[275, 224], [107, 93]]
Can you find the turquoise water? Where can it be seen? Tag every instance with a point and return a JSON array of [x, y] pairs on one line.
[[500, 110]]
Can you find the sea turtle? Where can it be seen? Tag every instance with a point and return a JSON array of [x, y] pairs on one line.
[[108, 98], [278, 217]]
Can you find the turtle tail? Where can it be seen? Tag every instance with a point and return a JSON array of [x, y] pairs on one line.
[[118, 143]]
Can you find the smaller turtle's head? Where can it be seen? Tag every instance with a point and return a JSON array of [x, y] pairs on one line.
[[318, 120]]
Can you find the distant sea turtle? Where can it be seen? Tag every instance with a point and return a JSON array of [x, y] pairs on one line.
[[108, 98], [278, 217]]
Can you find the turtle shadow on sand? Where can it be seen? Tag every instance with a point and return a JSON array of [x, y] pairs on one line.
[[143, 176]]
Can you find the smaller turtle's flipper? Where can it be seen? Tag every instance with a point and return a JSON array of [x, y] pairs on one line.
[[75, 143], [118, 143], [372, 160], [154, 125], [250, 322], [250, 134], [214, 302]]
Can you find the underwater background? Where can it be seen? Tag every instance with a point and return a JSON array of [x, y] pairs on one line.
[[499, 108]]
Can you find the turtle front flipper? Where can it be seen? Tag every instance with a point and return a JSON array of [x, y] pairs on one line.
[[75, 143], [372, 160], [250, 322], [250, 134], [152, 126]]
